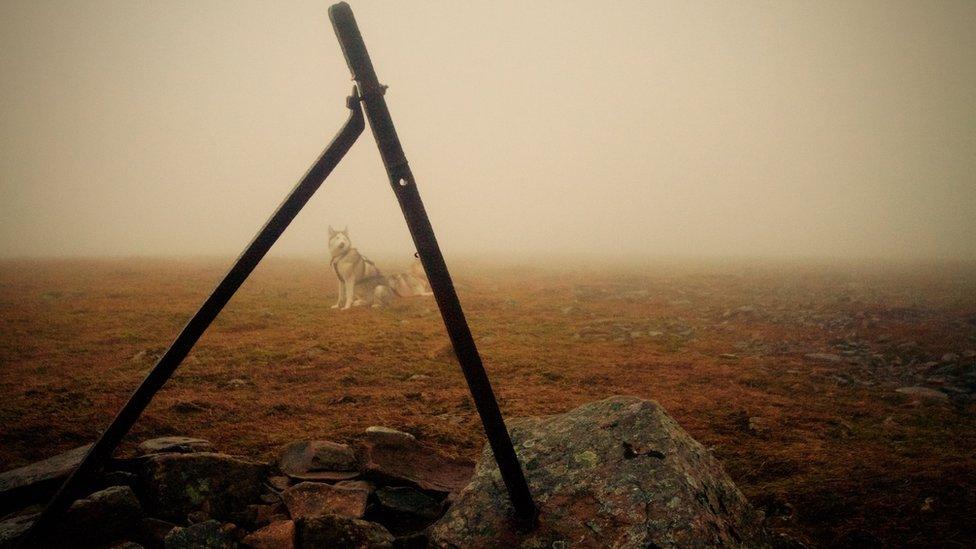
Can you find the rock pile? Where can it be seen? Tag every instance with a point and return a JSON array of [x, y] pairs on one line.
[[614, 473], [179, 493]]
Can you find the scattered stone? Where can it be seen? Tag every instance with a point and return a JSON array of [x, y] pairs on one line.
[[824, 357], [403, 510], [222, 485], [840, 379], [950, 357], [203, 535], [450, 418], [922, 392], [336, 531], [928, 505], [313, 499], [393, 457], [37, 482], [277, 535], [175, 444], [236, 383], [590, 494], [729, 356], [758, 425], [418, 377], [377, 433], [188, 407], [318, 460]]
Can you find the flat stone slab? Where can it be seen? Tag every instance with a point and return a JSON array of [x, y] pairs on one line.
[[175, 444], [320, 460], [38, 481], [398, 458], [613, 473]]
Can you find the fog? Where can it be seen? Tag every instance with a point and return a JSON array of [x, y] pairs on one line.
[[822, 129]]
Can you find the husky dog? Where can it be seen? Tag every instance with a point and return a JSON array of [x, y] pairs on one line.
[[412, 282], [360, 282]]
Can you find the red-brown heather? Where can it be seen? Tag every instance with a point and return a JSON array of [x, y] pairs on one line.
[[788, 373]]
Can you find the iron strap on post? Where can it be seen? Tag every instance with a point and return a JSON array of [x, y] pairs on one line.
[[402, 181], [103, 448]]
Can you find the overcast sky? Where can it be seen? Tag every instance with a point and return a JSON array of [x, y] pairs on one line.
[[843, 129]]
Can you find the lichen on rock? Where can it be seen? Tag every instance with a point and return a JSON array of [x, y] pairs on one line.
[[614, 473]]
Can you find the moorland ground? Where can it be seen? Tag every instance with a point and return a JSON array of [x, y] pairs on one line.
[[787, 372]]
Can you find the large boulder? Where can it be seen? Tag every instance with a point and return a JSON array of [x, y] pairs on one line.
[[37, 482], [615, 473], [219, 485]]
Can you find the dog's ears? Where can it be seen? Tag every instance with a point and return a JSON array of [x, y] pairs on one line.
[[332, 231], [345, 230]]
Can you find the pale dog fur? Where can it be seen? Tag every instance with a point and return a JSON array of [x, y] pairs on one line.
[[361, 283]]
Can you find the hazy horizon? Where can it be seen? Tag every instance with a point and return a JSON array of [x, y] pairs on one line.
[[672, 129]]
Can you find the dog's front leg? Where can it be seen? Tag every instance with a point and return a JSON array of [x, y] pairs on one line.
[[350, 293], [342, 294]]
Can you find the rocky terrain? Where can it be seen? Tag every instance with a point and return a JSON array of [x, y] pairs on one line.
[[839, 397], [180, 493], [614, 473]]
